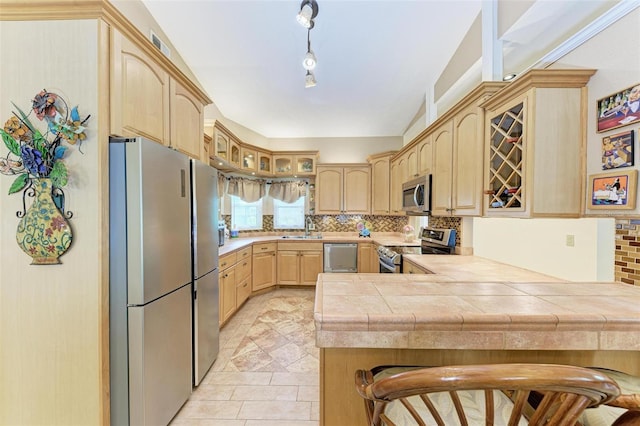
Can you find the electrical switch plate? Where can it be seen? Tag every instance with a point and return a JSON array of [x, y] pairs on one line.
[[571, 240]]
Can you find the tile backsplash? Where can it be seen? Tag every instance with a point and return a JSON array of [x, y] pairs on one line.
[[450, 222], [627, 256], [336, 223]]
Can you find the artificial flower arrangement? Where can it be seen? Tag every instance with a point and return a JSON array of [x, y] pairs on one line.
[[33, 154], [36, 160], [408, 232], [364, 228]]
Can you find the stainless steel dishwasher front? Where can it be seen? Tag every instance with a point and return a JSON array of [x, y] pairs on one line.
[[340, 257]]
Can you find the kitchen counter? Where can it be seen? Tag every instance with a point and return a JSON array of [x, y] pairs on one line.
[[382, 238], [470, 311]]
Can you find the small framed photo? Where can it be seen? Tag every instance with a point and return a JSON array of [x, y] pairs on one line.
[[617, 150], [613, 190], [619, 109]]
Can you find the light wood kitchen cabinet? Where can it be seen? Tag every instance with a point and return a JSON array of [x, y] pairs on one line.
[[343, 189], [395, 190], [221, 140], [187, 118], [147, 101], [381, 183], [299, 263], [139, 94], [409, 267], [264, 266], [234, 281], [265, 161], [249, 159], [295, 163], [458, 146], [365, 258], [534, 137], [235, 158], [424, 153]]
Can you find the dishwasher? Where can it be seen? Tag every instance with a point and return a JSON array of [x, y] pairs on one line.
[[340, 257]]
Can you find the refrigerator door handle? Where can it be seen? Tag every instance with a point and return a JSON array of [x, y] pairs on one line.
[[183, 180]]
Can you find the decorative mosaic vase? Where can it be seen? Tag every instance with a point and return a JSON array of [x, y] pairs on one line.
[[43, 232]]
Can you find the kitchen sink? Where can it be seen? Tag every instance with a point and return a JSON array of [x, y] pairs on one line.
[[302, 237]]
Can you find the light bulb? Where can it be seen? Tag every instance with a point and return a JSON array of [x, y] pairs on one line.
[[309, 80], [309, 62], [304, 16]]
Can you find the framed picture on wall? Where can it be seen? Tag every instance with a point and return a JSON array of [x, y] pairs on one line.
[[619, 109], [613, 190], [617, 150]]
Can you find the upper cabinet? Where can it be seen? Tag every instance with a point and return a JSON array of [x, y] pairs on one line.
[[295, 163], [150, 101], [343, 189], [381, 183], [457, 141], [534, 137], [140, 93]]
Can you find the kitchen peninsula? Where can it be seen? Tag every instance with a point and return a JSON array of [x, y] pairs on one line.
[[471, 310]]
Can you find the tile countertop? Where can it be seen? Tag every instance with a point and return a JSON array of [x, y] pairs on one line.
[[381, 238], [477, 308]]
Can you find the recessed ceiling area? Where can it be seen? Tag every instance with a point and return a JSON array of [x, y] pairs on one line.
[[375, 59]]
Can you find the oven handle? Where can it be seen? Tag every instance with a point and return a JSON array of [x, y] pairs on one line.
[[386, 266], [415, 195]]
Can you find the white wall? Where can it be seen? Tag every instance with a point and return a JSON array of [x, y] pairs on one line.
[[339, 150], [540, 245]]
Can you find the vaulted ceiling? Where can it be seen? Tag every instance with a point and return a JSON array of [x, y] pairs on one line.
[[376, 59]]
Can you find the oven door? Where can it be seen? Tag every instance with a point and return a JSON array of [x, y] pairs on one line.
[[433, 249], [387, 267]]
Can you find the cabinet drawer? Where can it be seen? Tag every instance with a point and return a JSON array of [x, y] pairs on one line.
[[243, 268], [244, 253], [227, 260], [264, 248], [243, 291], [298, 246]]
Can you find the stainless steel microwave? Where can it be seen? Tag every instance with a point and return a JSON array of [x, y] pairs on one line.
[[416, 195]]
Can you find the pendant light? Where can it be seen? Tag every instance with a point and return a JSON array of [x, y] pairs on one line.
[[309, 80], [309, 62], [308, 11]]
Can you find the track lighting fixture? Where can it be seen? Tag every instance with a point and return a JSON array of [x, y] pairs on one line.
[[508, 77], [309, 62], [308, 11], [309, 80]]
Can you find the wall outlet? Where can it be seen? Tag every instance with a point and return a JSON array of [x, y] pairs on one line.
[[312, 226], [571, 240]]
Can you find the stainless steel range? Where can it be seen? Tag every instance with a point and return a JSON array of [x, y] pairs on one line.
[[432, 241]]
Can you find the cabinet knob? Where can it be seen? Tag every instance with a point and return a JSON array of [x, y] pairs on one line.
[[244, 264]]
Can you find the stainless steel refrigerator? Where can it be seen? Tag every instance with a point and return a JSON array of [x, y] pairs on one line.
[[206, 325], [150, 281]]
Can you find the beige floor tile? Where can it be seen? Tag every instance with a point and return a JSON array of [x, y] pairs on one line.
[[275, 410], [308, 393], [210, 410], [265, 393], [212, 393], [238, 378], [305, 364], [281, 423], [288, 354], [208, 422], [300, 379]]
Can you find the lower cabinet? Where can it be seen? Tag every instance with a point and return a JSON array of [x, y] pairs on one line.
[[234, 281], [299, 263], [365, 258], [411, 268], [264, 266]]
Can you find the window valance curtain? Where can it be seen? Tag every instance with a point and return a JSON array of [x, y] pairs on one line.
[[287, 191], [249, 190], [222, 181]]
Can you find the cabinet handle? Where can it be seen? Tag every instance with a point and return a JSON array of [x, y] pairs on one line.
[[244, 264], [225, 275], [223, 265], [264, 248]]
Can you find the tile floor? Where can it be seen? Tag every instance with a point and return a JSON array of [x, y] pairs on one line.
[[266, 373]]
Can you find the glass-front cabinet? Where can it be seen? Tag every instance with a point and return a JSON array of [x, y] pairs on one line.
[[506, 149], [264, 163], [283, 164], [249, 159], [234, 153], [221, 145], [295, 163], [305, 164]]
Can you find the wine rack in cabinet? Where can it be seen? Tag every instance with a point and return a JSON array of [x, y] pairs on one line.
[[506, 146]]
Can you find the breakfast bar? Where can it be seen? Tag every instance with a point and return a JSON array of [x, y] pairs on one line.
[[471, 310]]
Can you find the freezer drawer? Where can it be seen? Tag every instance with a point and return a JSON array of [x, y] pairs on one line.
[[160, 358], [206, 324], [340, 257]]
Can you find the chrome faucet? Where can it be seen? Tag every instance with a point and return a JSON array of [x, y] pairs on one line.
[[308, 224]]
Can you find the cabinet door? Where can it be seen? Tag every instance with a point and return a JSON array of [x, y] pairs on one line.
[[283, 164], [187, 122], [139, 94], [221, 144], [467, 163], [227, 293], [364, 258], [329, 190], [380, 195], [425, 156], [395, 190], [305, 164], [310, 267], [357, 190], [442, 161], [249, 159], [243, 291], [412, 164], [264, 163], [287, 269], [264, 270], [234, 153]]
